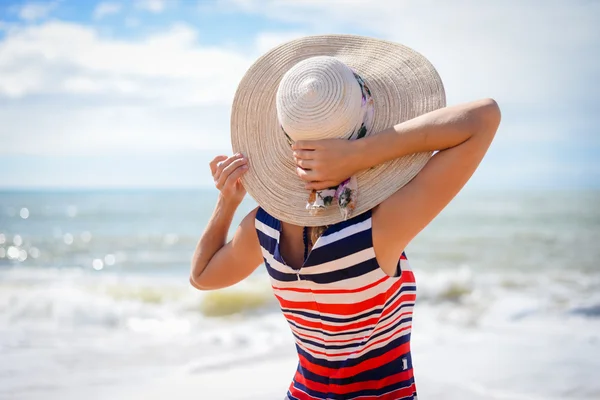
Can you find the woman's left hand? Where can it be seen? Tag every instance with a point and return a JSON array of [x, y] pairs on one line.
[[325, 163]]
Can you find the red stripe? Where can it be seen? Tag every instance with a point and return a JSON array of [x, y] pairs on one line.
[[398, 303], [299, 394], [408, 276], [340, 308], [356, 338], [304, 323], [312, 306], [346, 372], [333, 291], [362, 350], [395, 395], [357, 386], [331, 328], [322, 339]]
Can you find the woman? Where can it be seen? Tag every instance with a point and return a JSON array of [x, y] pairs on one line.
[[335, 215]]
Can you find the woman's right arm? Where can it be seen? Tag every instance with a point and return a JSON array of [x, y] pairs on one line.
[[461, 135], [217, 263]]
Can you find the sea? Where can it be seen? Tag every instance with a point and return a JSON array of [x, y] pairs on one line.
[[95, 294]]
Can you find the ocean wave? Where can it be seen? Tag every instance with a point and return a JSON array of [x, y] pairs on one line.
[[71, 297], [235, 301], [592, 311]]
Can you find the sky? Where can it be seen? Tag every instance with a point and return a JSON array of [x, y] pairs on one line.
[[137, 93]]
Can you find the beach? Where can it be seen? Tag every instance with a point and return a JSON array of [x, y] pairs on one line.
[[95, 301]]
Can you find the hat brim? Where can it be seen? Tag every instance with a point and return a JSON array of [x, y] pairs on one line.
[[403, 83]]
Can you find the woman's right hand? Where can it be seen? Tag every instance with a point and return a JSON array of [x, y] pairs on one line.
[[226, 172]]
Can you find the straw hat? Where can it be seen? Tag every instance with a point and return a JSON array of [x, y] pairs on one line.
[[330, 86]]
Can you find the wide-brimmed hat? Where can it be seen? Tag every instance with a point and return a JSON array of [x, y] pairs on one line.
[[329, 86]]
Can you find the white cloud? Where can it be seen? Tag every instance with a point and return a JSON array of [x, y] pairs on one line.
[[36, 11], [265, 41], [132, 22], [104, 95], [71, 129], [106, 8], [170, 67], [525, 53], [154, 6], [68, 90]]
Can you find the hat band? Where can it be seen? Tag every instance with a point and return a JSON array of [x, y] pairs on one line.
[[345, 194]]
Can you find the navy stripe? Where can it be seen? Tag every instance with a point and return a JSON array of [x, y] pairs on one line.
[[382, 372], [349, 222], [290, 397], [375, 392], [340, 248], [280, 276], [354, 271], [266, 242], [374, 311], [394, 326], [342, 333], [333, 319], [396, 365], [312, 393], [308, 314], [351, 362], [356, 344], [267, 219], [359, 393]]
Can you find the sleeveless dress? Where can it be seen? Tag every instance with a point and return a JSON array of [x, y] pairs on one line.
[[350, 320]]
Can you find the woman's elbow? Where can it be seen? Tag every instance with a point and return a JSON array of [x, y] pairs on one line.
[[195, 274], [488, 115], [194, 283]]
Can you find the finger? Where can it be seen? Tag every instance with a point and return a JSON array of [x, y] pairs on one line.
[[228, 170], [306, 164], [305, 145], [235, 175], [221, 166], [307, 175], [213, 164], [304, 154], [320, 185]]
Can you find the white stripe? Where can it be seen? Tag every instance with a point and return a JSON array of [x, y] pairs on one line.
[[379, 306], [266, 229], [276, 265], [405, 265], [333, 339], [359, 297], [344, 233], [353, 283], [340, 298], [350, 284], [333, 352], [340, 263], [342, 353], [405, 306], [366, 331]]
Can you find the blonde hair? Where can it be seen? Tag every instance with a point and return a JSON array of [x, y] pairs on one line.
[[315, 232]]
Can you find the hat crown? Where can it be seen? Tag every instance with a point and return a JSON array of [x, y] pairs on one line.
[[319, 98]]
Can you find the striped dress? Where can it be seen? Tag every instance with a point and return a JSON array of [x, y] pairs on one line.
[[350, 320]]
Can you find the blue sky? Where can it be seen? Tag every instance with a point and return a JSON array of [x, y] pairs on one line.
[[137, 93]]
